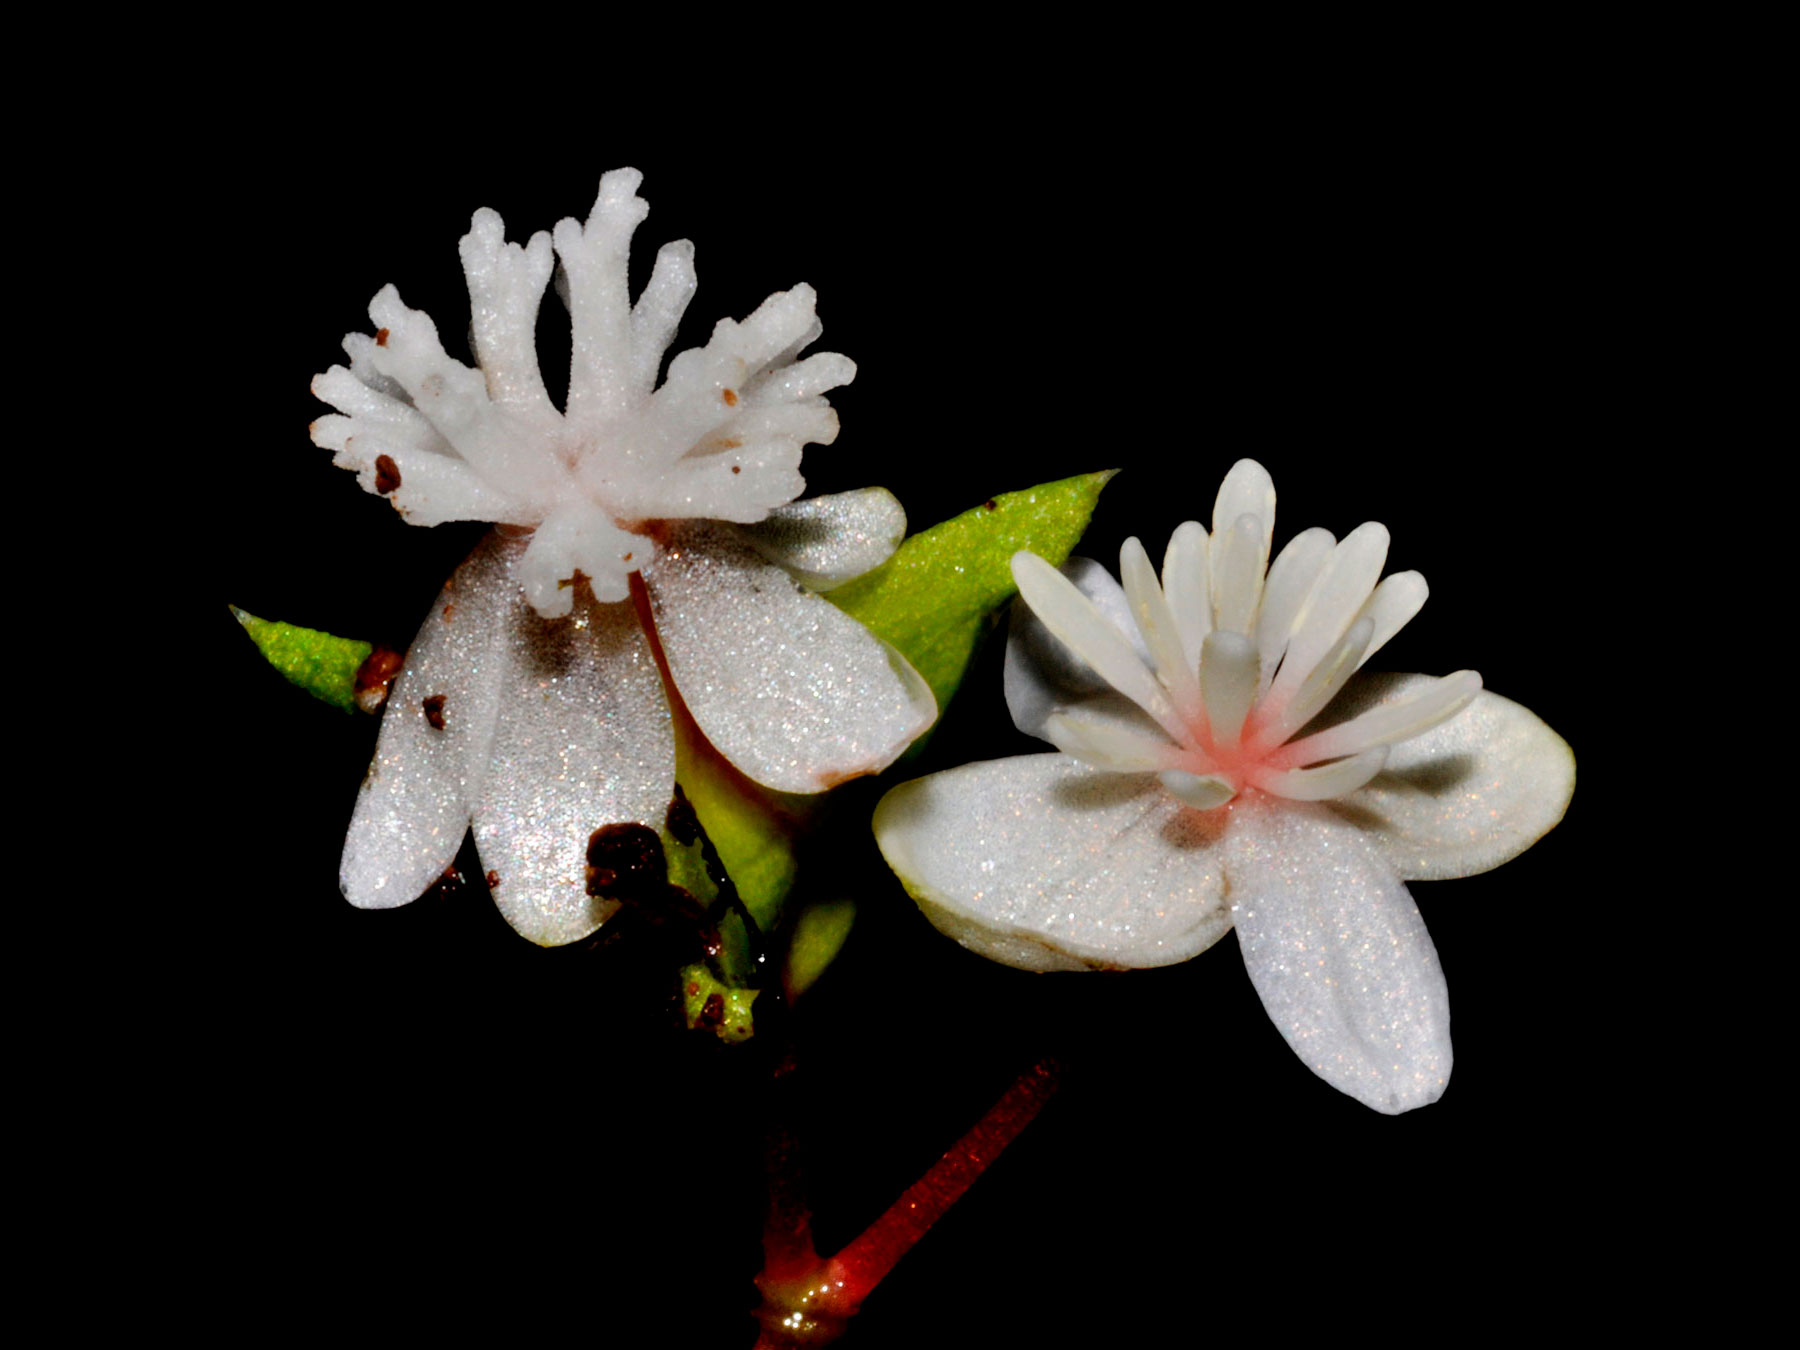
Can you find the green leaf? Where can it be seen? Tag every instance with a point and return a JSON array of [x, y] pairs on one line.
[[819, 934], [934, 597], [323, 665]]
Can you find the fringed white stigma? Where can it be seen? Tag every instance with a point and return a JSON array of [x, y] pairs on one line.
[[721, 439]]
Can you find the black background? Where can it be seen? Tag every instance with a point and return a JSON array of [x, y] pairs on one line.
[[1406, 317]]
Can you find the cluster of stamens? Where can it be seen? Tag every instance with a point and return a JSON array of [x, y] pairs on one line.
[[1226, 658]]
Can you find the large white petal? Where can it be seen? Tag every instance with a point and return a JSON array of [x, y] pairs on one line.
[[1042, 863], [1041, 673], [1465, 796], [825, 541], [413, 809], [1338, 954], [583, 739], [792, 690]]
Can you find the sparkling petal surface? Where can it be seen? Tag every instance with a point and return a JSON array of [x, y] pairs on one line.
[[825, 541], [1338, 954], [792, 690], [583, 739], [1463, 797], [1043, 864], [413, 809], [1041, 673]]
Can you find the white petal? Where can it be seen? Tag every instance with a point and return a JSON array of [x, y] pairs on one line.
[[1113, 737], [1338, 954], [1072, 617], [413, 809], [1465, 796], [1156, 625], [1041, 673], [1327, 780], [499, 443], [506, 282], [1239, 556], [1319, 687], [1043, 864], [1187, 582], [1334, 603], [1203, 792], [594, 259], [583, 739], [1228, 677], [658, 312], [1401, 719], [1291, 578], [426, 488], [817, 374], [791, 689], [825, 541], [1246, 491], [367, 409], [1392, 607]]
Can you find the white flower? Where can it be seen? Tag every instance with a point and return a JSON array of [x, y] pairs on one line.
[[1222, 769], [639, 518]]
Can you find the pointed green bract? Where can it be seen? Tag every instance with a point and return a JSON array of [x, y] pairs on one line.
[[819, 935], [933, 598], [323, 665], [751, 827]]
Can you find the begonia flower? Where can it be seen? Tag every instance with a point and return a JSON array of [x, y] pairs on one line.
[[639, 517], [1222, 765]]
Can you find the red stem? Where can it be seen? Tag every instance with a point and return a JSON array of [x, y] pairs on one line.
[[862, 1264], [807, 1301]]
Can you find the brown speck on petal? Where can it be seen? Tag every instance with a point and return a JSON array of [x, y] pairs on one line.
[[449, 611], [730, 397], [434, 711], [732, 444], [990, 505], [737, 468], [492, 879], [387, 474], [381, 337], [375, 676]]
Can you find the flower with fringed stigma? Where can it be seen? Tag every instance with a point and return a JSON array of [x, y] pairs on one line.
[[1224, 765], [641, 524]]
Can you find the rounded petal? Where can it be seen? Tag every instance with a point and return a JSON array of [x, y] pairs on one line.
[[1041, 863], [1041, 673], [1338, 954], [1465, 796], [413, 809], [793, 691], [583, 739], [826, 541]]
